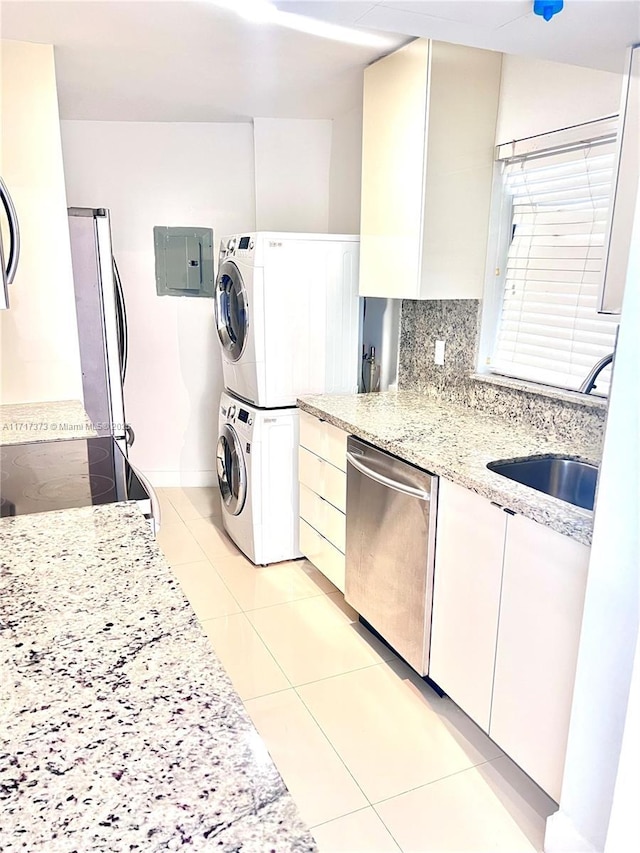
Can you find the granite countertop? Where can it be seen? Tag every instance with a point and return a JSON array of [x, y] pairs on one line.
[[119, 727], [456, 442], [60, 419]]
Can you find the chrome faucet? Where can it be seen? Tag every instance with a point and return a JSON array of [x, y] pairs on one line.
[[590, 382]]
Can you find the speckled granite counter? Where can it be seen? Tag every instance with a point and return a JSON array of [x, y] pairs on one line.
[[20, 422], [119, 728], [456, 442]]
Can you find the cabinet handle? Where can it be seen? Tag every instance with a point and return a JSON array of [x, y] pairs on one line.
[[509, 511]]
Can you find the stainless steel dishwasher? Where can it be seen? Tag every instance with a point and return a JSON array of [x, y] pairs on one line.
[[391, 530]]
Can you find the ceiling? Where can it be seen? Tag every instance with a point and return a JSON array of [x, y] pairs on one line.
[[593, 33], [196, 61]]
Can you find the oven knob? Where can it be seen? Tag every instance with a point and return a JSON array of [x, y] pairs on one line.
[[232, 412], [250, 244], [250, 422]]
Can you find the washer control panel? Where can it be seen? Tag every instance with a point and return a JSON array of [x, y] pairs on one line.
[[234, 414], [241, 245]]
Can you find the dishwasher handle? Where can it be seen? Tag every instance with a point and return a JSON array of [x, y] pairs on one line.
[[387, 481]]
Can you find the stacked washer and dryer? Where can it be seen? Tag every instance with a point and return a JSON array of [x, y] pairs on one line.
[[288, 320]]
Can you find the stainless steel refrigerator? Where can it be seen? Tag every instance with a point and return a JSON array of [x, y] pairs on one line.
[[102, 331], [102, 322]]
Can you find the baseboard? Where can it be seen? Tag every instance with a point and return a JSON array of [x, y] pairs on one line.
[[561, 836], [187, 479]]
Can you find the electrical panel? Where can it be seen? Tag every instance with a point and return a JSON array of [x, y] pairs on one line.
[[184, 261]]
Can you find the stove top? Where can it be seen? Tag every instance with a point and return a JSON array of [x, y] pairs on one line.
[[43, 476]]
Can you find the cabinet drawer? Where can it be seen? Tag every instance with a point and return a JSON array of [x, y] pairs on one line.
[[322, 554], [323, 478], [323, 517], [323, 439]]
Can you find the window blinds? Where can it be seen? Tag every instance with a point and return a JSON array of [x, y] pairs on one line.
[[549, 330]]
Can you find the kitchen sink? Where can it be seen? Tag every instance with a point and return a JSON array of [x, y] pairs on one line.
[[558, 476]]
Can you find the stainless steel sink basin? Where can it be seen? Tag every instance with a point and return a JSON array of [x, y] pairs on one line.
[[566, 479]]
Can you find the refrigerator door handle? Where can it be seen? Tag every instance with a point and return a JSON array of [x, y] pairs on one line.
[[130, 435], [123, 325], [4, 289], [14, 232]]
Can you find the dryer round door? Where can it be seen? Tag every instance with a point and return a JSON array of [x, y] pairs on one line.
[[232, 310], [232, 472]]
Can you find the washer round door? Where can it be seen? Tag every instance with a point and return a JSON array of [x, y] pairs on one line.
[[232, 473], [232, 310]]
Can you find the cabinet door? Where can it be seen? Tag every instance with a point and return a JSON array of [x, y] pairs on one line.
[[325, 440], [324, 556], [323, 517], [466, 598], [393, 157], [323, 478], [543, 589]]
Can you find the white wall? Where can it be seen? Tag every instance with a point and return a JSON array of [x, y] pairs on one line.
[[39, 339], [611, 613], [345, 178], [537, 96], [165, 174], [624, 824], [292, 163]]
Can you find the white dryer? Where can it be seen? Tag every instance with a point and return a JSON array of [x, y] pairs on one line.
[[287, 314], [257, 466]]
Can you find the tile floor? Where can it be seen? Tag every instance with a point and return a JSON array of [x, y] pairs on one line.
[[375, 760]]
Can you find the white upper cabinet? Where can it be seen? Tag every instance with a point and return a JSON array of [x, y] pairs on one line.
[[430, 112], [623, 202]]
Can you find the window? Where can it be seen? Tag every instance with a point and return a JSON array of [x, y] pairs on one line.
[[555, 201]]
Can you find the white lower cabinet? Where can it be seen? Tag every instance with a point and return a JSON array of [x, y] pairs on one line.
[[466, 598], [508, 601], [324, 556], [322, 465], [325, 518], [543, 588]]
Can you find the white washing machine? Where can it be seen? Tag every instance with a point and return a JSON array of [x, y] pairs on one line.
[[287, 314], [257, 466]]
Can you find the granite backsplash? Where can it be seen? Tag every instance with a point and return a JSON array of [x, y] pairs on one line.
[[456, 321]]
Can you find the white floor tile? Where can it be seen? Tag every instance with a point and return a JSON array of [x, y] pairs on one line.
[[245, 657], [316, 638], [205, 590], [168, 513], [358, 832], [212, 538], [476, 810], [391, 735], [263, 586], [194, 503], [178, 544], [318, 781]]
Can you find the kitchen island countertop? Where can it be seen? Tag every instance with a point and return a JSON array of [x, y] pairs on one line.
[[457, 442], [49, 421], [120, 729]]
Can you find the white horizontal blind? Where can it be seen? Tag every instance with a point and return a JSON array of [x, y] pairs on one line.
[[549, 330]]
